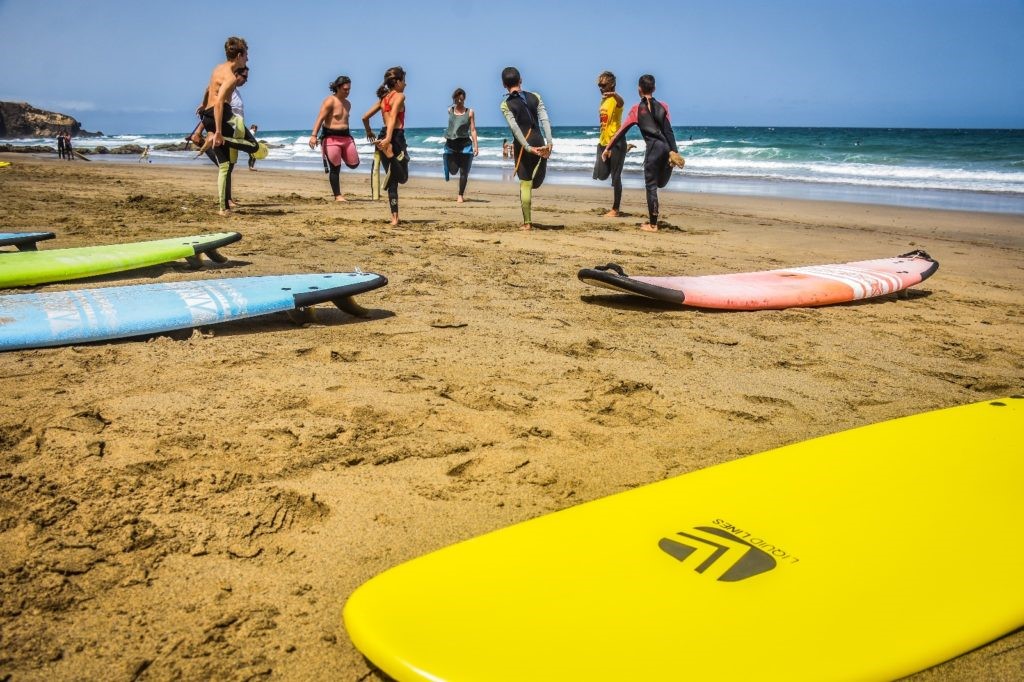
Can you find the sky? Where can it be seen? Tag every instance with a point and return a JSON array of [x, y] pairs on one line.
[[141, 67]]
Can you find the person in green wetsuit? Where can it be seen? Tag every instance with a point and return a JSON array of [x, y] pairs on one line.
[[216, 115], [525, 111]]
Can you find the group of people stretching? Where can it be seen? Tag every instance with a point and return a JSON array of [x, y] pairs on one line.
[[524, 112]]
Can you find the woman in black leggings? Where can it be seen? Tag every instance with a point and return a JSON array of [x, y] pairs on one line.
[[460, 144], [394, 158]]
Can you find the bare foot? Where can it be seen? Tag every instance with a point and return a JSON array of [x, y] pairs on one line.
[[224, 212], [340, 198], [647, 227], [460, 199], [612, 214], [394, 220], [526, 226], [232, 204]]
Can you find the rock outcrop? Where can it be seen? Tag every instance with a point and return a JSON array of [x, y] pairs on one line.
[[18, 119]]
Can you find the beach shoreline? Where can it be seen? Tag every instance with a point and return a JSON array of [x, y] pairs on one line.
[[200, 504]]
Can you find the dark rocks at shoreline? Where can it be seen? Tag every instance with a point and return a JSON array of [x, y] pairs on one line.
[[20, 119]]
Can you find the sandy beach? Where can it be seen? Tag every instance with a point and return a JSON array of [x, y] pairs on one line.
[[199, 505]]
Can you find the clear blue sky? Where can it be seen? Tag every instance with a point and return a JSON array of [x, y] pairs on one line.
[[138, 66]]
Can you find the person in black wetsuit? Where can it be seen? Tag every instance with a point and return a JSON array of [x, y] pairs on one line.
[[652, 117], [525, 111]]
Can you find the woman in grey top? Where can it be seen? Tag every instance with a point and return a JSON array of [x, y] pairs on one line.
[[460, 144]]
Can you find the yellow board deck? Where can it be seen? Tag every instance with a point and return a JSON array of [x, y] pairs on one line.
[[868, 554]]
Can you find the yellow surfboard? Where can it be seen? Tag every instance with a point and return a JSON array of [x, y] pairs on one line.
[[869, 554], [375, 176]]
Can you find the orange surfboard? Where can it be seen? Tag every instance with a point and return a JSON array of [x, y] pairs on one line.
[[775, 289]]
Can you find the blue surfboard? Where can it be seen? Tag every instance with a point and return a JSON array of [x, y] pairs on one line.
[[79, 316], [25, 241]]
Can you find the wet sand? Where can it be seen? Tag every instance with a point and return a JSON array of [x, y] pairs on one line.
[[200, 504]]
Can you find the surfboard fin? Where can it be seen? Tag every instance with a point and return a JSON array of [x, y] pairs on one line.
[[301, 316], [216, 256], [614, 267], [194, 262], [348, 305]]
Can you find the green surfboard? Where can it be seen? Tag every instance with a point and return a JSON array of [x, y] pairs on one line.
[[39, 267]]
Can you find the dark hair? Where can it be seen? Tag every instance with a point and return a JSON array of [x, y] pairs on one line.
[[338, 83], [457, 92], [606, 78], [510, 77], [391, 76], [646, 83], [235, 46]]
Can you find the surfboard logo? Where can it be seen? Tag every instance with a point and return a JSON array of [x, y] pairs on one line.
[[733, 559]]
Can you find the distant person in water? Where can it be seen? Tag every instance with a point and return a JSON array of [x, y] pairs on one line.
[[217, 116], [460, 141], [145, 155], [652, 117], [506, 149], [331, 131], [391, 142], [527, 118], [610, 117]]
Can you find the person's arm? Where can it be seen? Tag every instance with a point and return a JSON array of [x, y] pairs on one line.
[[223, 95], [389, 119], [366, 121], [545, 127], [324, 111], [472, 132], [666, 130]]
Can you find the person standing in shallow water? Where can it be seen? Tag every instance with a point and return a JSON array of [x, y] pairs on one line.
[[460, 145], [652, 117], [525, 111], [391, 143], [331, 130], [610, 116]]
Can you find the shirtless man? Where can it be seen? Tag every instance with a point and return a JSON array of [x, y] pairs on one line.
[[217, 115], [338, 144]]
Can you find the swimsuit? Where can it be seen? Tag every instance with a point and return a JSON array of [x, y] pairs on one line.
[[338, 147]]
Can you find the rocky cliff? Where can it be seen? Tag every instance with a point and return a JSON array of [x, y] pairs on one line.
[[18, 119]]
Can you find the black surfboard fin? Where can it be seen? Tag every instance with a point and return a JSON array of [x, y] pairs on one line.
[[348, 305]]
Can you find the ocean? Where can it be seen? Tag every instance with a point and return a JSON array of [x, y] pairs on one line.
[[975, 170]]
